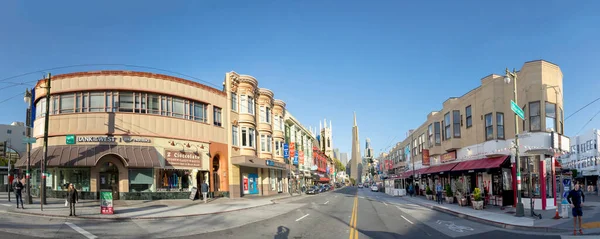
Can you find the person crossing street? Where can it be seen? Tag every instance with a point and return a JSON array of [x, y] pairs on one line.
[[576, 198]]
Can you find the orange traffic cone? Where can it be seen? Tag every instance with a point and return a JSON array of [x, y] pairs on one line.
[[556, 216]]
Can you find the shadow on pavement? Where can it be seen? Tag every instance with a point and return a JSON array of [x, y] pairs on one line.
[[138, 209], [282, 233]]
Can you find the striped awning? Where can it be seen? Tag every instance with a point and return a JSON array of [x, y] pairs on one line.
[[88, 156]]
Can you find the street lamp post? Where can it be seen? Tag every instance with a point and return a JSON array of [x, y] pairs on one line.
[[27, 100], [520, 212]]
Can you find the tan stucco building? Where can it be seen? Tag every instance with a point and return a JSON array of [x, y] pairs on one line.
[[469, 142], [140, 135]]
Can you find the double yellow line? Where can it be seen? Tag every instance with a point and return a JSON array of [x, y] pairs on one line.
[[353, 218]]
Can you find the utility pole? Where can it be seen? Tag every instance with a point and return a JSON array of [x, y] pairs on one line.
[[28, 100], [520, 210], [46, 120]]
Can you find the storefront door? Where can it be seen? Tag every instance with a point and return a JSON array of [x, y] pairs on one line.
[[253, 183], [110, 181]]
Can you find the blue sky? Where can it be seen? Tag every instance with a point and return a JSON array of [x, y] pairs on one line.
[[326, 59]]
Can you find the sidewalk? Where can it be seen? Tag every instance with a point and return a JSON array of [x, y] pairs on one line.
[[495, 216], [140, 209]]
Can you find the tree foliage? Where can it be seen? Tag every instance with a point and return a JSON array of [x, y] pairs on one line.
[[339, 167]]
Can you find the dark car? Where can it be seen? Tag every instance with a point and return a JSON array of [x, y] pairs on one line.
[[327, 187], [312, 190]]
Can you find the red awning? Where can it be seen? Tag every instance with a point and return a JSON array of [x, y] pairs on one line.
[[440, 168], [410, 173], [494, 162], [323, 180]]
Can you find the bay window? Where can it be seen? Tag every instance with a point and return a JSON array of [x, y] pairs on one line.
[[244, 104], [234, 136], [248, 137], [126, 102], [456, 123], [269, 143], [97, 101], [500, 125], [489, 127], [234, 102], [447, 122], [67, 103], [262, 114], [263, 143], [551, 117], [268, 116], [535, 122], [250, 105]]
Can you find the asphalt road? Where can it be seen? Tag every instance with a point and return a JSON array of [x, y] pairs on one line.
[[346, 213]]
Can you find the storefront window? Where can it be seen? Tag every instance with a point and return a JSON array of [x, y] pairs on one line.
[[530, 165], [174, 179], [80, 178], [141, 180], [273, 180], [507, 179]]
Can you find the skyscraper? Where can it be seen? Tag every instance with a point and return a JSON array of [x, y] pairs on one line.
[[356, 157], [344, 158]]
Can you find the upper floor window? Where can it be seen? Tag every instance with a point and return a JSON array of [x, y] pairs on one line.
[[447, 122], [281, 125], [437, 132], [263, 142], [276, 122], [269, 143], [248, 137], [469, 116], [551, 116], [535, 122], [421, 142], [235, 136], [131, 102], [500, 125], [430, 135], [489, 127], [234, 102], [9, 131], [415, 146], [250, 105], [217, 115], [456, 123], [268, 114], [277, 148]]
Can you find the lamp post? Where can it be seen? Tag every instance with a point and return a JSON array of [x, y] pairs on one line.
[[45, 160], [27, 100], [520, 212]]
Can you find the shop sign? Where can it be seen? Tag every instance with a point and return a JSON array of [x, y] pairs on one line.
[[447, 157], [286, 151], [301, 156], [274, 164], [426, 159], [70, 139], [186, 159]]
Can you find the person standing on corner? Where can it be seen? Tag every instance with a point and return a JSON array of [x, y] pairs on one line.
[[72, 197], [576, 198], [204, 190], [18, 187]]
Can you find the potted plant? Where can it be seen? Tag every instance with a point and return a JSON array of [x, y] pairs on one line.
[[429, 193], [477, 199], [449, 194]]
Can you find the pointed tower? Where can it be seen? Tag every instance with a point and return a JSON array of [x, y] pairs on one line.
[[356, 157], [326, 139]]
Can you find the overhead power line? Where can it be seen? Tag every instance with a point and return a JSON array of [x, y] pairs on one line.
[[581, 108], [582, 128], [115, 64]]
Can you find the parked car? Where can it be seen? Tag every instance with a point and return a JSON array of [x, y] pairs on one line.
[[327, 187], [374, 188], [360, 185], [313, 190]]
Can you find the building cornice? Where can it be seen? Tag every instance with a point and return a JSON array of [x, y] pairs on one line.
[[279, 103], [265, 91], [248, 79]]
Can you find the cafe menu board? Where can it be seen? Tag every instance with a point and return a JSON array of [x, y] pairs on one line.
[[193, 193], [106, 202]]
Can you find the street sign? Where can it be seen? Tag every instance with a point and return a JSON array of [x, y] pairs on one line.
[[286, 151], [515, 108], [70, 139], [29, 140]]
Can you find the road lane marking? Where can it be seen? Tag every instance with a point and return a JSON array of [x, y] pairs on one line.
[[407, 219], [302, 217], [361, 197], [81, 231], [385, 203], [326, 202], [353, 219], [398, 208]]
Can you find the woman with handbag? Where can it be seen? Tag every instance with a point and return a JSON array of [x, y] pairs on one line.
[[72, 198]]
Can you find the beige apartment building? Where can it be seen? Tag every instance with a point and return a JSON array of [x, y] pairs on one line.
[[257, 137], [469, 142], [140, 135]]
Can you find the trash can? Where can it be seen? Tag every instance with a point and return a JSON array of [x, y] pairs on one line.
[[564, 209]]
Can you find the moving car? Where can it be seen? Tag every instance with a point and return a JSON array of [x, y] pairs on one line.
[[374, 188], [313, 190], [360, 185]]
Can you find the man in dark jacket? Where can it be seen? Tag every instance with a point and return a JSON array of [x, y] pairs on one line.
[[204, 190], [576, 199], [18, 188]]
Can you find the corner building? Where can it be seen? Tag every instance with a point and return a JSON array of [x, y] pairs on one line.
[[468, 144], [140, 135], [257, 137]]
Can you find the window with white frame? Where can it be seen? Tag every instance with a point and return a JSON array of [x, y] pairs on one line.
[[500, 125], [456, 118], [277, 148], [234, 102], [276, 122], [430, 135], [234, 136], [250, 105], [268, 114], [262, 114], [244, 104], [281, 125], [263, 143], [447, 129], [269, 143], [217, 116], [551, 116], [248, 137], [489, 127]]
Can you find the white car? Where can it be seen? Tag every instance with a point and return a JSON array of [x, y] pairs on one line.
[[374, 188]]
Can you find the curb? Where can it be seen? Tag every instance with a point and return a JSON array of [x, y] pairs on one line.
[[489, 222], [134, 218]]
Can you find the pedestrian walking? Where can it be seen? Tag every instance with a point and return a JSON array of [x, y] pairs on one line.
[[576, 198], [18, 188], [411, 190], [204, 190], [438, 192], [73, 198]]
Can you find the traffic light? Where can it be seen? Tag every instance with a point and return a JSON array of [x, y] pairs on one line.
[[3, 149]]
